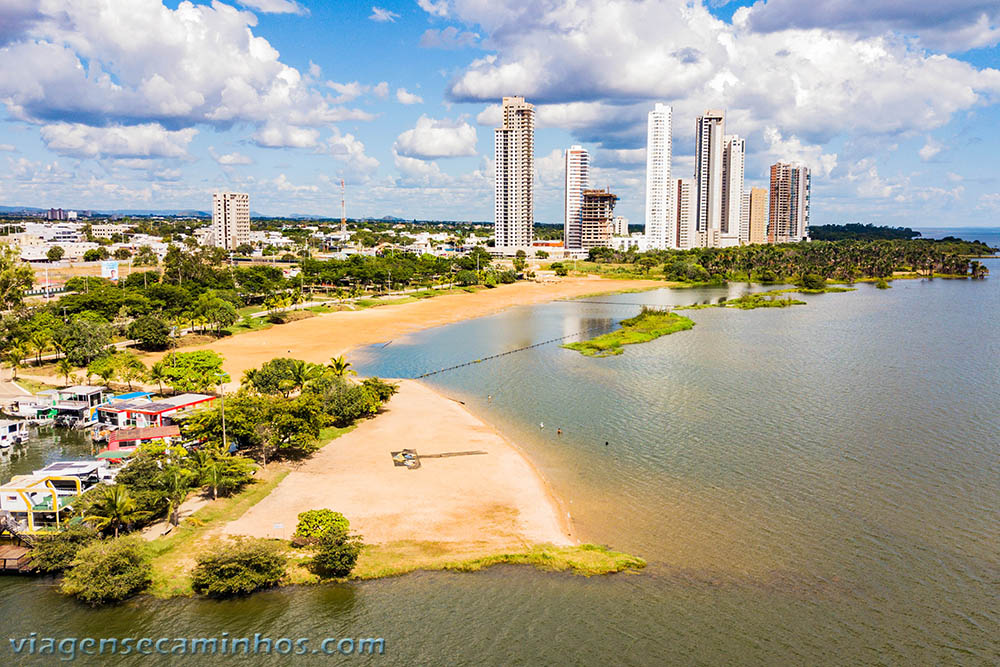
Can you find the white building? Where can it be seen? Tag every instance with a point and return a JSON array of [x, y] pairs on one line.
[[577, 180], [733, 160], [619, 226], [230, 219], [514, 218], [660, 231], [788, 217], [687, 234], [710, 131], [745, 217]]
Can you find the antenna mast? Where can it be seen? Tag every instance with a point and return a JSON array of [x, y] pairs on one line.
[[343, 208]]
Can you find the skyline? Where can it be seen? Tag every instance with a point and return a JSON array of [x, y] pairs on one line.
[[894, 114]]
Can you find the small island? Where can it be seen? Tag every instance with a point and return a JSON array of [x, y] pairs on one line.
[[649, 324]]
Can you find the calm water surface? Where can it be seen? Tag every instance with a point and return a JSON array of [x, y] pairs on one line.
[[815, 485]]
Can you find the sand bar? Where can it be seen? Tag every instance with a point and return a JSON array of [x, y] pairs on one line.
[[488, 502]]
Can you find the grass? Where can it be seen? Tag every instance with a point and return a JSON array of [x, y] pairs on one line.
[[34, 386], [750, 302], [648, 325], [804, 290]]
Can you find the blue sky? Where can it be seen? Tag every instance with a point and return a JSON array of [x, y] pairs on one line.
[[104, 104]]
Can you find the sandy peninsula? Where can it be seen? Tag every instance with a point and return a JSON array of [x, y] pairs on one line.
[[465, 505], [328, 335]]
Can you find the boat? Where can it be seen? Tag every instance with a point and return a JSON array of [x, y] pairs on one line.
[[13, 433]]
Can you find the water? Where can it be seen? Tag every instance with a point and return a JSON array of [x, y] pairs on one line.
[[988, 235], [814, 485]]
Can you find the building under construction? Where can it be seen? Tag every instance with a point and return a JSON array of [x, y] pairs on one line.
[[597, 218]]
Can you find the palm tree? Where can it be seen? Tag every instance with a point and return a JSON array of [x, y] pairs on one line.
[[341, 367], [177, 491], [106, 372], [157, 373], [114, 507], [41, 339], [15, 357], [64, 368]]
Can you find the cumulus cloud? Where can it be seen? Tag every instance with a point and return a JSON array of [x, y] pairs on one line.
[[990, 201], [286, 136], [930, 149], [448, 38], [434, 138], [434, 7], [349, 149], [283, 184], [347, 91], [383, 15], [8, 148], [405, 97], [791, 149], [146, 140], [230, 159], [275, 6], [381, 89]]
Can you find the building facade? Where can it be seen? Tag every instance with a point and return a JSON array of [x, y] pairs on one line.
[[788, 212], [597, 218], [660, 230], [758, 215], [515, 173], [684, 206], [733, 159], [577, 180], [230, 219], [710, 131]]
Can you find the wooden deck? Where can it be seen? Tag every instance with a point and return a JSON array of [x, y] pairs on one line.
[[14, 558]]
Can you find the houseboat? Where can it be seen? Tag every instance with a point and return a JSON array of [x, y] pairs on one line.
[[143, 414], [43, 501], [77, 405], [108, 414], [12, 434]]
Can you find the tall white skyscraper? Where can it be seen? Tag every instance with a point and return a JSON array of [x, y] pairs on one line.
[[514, 217], [230, 219], [733, 159], [684, 205], [710, 133], [745, 217], [660, 222], [577, 180]]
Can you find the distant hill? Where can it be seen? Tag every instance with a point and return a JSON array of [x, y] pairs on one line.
[[855, 231]]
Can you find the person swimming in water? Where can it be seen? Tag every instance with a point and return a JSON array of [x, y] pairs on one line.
[[558, 431]]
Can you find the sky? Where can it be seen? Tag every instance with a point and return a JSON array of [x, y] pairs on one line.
[[894, 104]]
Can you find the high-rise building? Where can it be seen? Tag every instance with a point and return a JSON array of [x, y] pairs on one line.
[[230, 219], [514, 219], [788, 219], [758, 215], [597, 219], [745, 217], [733, 152], [660, 230], [710, 131], [684, 205], [577, 180], [619, 226]]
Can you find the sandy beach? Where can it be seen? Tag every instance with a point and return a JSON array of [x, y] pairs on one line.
[[317, 339], [468, 504]]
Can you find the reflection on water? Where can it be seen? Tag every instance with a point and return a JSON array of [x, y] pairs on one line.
[[818, 484]]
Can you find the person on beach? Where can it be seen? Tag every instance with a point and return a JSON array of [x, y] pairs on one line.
[[558, 431]]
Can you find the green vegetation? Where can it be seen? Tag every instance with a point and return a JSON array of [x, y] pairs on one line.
[[857, 232], [108, 571], [753, 301], [15, 277], [882, 284], [337, 552], [196, 371], [313, 524], [646, 326], [55, 553], [238, 567]]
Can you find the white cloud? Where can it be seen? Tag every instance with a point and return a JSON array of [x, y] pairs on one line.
[[448, 38], [990, 201], [383, 15], [930, 149], [434, 8], [230, 159], [792, 149], [315, 71], [406, 97], [381, 89], [284, 185], [8, 148], [286, 136], [434, 138], [275, 6], [146, 140], [347, 91], [349, 149]]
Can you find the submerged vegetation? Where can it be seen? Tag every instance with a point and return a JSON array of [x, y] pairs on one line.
[[648, 325]]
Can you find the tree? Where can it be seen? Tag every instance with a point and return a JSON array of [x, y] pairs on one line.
[[151, 332], [14, 356], [109, 571], [222, 472], [178, 485], [64, 368], [466, 278], [313, 524], [337, 552], [193, 371], [239, 567], [56, 553], [157, 375], [129, 368], [123, 254], [813, 281], [244, 249], [96, 255], [215, 311], [145, 256], [541, 254], [112, 509], [84, 338], [55, 253], [341, 367], [16, 277], [282, 376], [103, 368]]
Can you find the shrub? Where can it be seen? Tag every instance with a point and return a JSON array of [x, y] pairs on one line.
[[337, 552], [316, 523], [56, 553], [466, 278], [349, 404], [151, 332], [239, 567], [109, 571], [813, 281], [881, 283], [380, 389]]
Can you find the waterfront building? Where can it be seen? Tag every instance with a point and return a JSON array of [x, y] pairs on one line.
[[230, 219], [710, 130], [758, 215], [687, 234], [597, 218], [788, 218], [513, 222], [577, 180], [659, 229], [733, 158], [745, 217]]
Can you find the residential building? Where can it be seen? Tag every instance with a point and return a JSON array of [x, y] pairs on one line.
[[745, 217], [56, 214], [596, 220], [577, 180], [788, 219], [513, 222], [105, 231], [660, 230], [758, 215], [619, 226], [230, 219], [683, 195], [710, 131], [733, 158]]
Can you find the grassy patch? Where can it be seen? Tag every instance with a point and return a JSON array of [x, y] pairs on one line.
[[802, 290], [751, 302], [648, 325], [34, 386]]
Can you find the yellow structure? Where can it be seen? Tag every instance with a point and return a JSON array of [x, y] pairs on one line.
[[758, 215], [19, 498]]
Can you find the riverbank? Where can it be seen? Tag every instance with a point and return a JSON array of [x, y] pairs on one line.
[[648, 325]]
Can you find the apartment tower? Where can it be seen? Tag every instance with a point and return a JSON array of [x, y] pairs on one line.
[[597, 218], [788, 219], [710, 131], [230, 219], [758, 215], [577, 180], [660, 230], [733, 158], [514, 219]]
